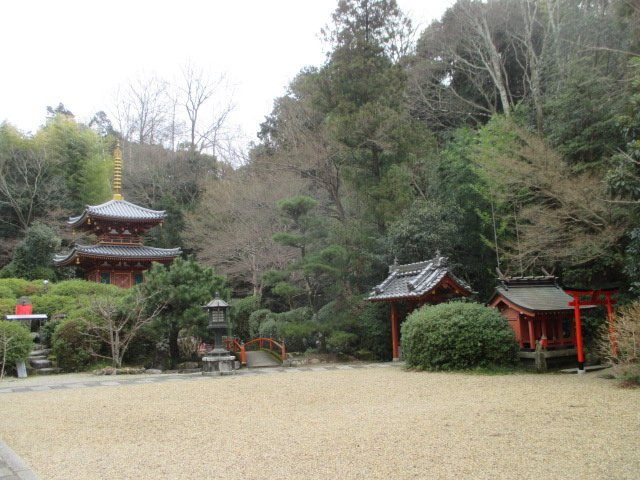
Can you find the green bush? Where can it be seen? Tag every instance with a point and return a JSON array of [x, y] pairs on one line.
[[458, 335], [368, 321], [21, 287], [15, 343], [75, 288], [256, 319], [51, 305], [297, 337], [7, 306], [6, 292], [46, 331], [72, 347], [297, 315], [147, 348], [241, 310], [342, 342], [268, 328]]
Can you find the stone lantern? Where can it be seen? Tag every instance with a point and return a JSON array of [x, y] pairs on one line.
[[218, 322], [219, 360]]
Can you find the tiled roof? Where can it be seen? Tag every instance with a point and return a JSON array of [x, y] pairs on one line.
[[414, 280], [117, 252], [534, 293], [118, 209], [216, 303]]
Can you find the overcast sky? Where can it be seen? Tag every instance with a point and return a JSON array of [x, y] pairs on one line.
[[79, 52]]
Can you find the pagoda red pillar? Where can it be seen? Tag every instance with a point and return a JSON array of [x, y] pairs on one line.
[[394, 332]]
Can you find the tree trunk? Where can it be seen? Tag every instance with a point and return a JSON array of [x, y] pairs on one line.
[[174, 351]]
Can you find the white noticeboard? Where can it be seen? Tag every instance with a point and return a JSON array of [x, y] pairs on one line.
[[22, 370]]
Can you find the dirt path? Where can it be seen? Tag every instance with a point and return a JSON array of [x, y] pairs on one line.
[[361, 424]]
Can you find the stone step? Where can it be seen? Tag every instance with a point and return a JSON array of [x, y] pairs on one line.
[[37, 357], [45, 371], [40, 363], [39, 352]]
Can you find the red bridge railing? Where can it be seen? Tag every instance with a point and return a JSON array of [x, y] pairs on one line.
[[260, 342], [234, 345]]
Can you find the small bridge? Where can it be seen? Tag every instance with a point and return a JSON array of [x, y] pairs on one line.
[[259, 352]]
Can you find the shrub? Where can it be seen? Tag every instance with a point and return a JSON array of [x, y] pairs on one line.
[[15, 344], [149, 349], [18, 286], [342, 342], [51, 305], [268, 328], [46, 331], [73, 348], [7, 306], [297, 315], [458, 335], [626, 364], [6, 292], [32, 256], [241, 310], [256, 319], [368, 321], [75, 288], [296, 336]]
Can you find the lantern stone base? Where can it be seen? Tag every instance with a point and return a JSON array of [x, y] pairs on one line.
[[218, 362]]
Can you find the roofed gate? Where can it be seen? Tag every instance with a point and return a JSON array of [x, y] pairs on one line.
[[416, 284]]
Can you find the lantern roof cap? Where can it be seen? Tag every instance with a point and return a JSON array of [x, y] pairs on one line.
[[216, 303]]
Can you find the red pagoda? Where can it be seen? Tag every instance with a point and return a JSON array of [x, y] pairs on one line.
[[119, 257]]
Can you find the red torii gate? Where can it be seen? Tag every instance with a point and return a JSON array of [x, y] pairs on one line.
[[600, 296]]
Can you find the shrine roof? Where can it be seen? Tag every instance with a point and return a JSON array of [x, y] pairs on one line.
[[542, 294], [413, 280], [116, 252], [118, 210]]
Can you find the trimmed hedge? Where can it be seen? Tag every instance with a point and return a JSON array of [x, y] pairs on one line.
[[74, 288], [458, 335], [21, 287]]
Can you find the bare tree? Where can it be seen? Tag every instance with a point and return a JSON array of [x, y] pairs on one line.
[[142, 110], [120, 325], [305, 147], [26, 185], [459, 73], [232, 227], [566, 217], [207, 114]]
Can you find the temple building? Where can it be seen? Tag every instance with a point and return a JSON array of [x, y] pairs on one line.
[[410, 286], [537, 310], [119, 257]]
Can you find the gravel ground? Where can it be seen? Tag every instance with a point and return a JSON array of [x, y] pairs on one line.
[[343, 424]]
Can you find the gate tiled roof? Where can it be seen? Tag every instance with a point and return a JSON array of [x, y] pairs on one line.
[[413, 280]]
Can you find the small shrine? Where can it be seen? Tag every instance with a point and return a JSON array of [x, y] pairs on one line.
[[119, 257], [414, 285], [541, 314]]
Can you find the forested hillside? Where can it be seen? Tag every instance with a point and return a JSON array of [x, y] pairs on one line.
[[506, 134]]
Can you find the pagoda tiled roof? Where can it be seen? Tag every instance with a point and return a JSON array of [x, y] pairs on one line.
[[534, 294], [413, 280], [118, 210], [117, 252]]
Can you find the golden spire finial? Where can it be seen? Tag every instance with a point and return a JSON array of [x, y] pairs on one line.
[[117, 173]]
